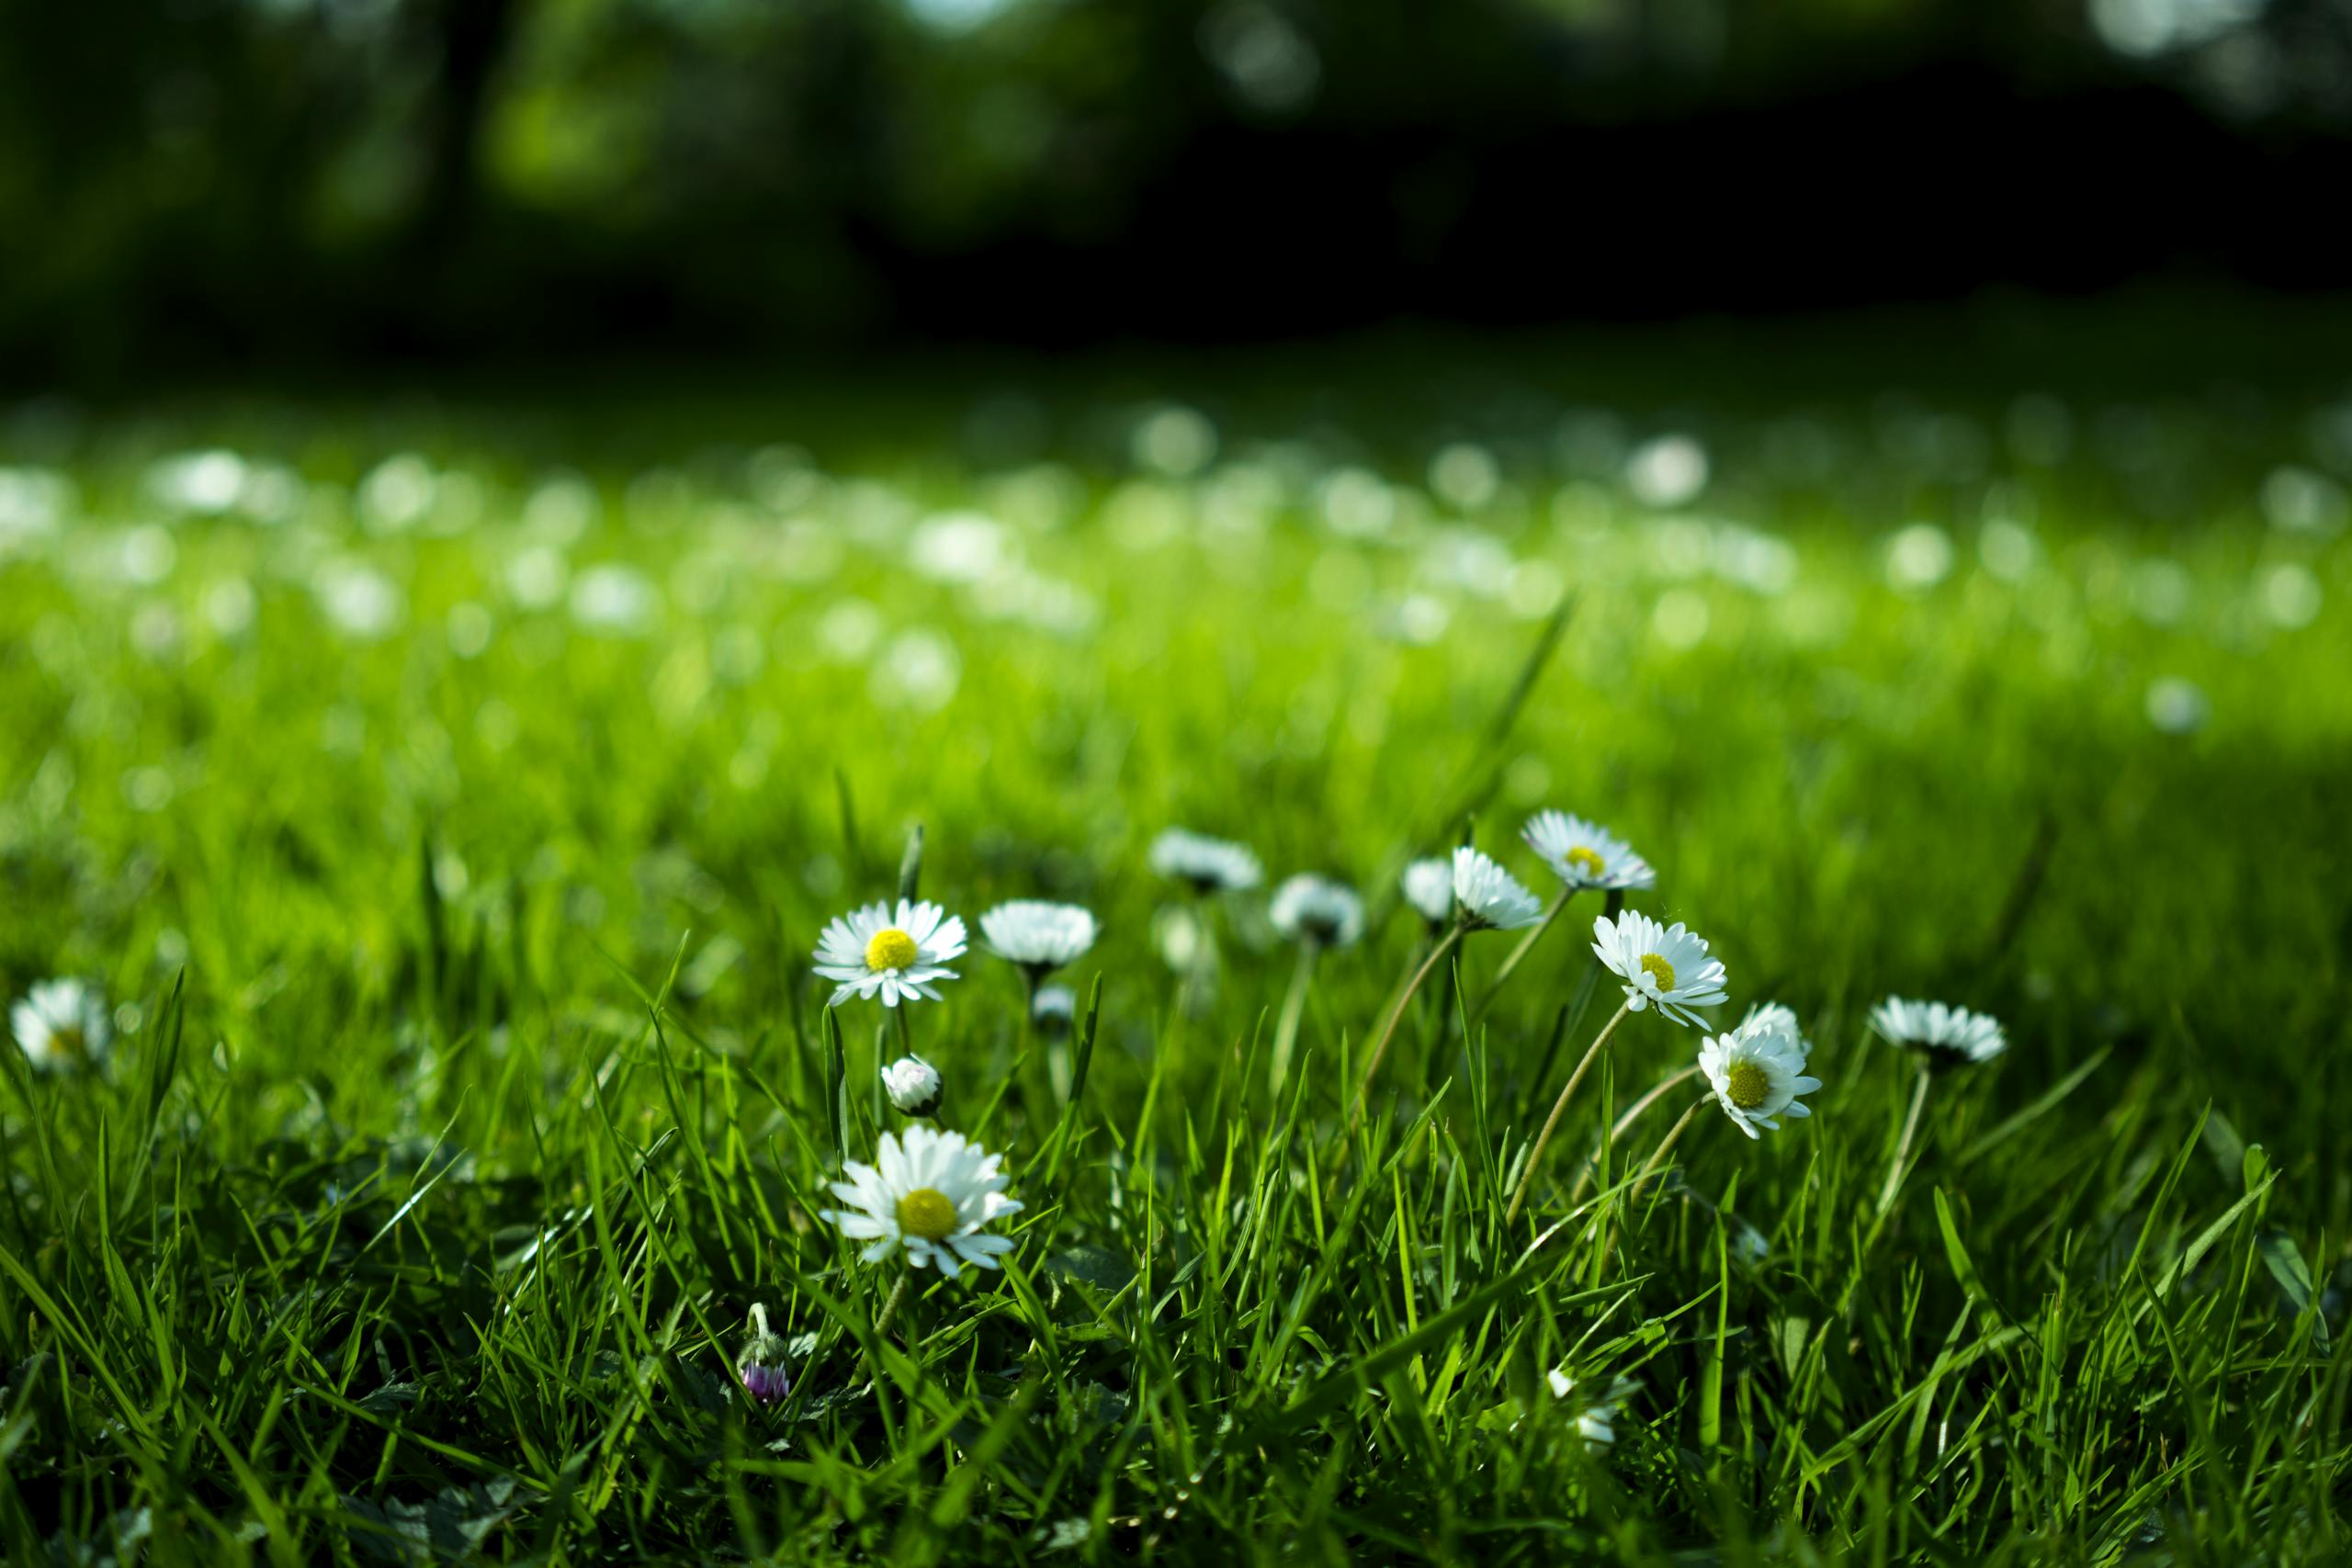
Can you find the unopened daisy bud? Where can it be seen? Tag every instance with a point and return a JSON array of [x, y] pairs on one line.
[[1055, 1011], [913, 1086], [762, 1368]]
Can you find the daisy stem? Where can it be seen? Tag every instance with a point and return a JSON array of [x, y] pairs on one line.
[[1293, 1006], [1628, 1120], [1396, 1013], [1535, 1158], [1667, 1144], [890, 1307], [1894, 1172], [1526, 945]]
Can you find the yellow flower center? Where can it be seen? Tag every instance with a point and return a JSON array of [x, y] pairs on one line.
[[69, 1042], [1656, 968], [926, 1213], [890, 949], [1748, 1085], [1585, 861]]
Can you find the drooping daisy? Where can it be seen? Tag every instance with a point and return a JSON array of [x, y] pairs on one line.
[[1757, 1071], [1429, 888], [1945, 1034], [762, 1368], [930, 1193], [1208, 865], [913, 1086], [1596, 1412], [1308, 907], [1773, 1015], [61, 1025], [1663, 966], [1488, 897], [1038, 935], [1055, 1009], [896, 953], [1585, 854]]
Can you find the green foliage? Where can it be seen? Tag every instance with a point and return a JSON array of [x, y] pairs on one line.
[[453, 831]]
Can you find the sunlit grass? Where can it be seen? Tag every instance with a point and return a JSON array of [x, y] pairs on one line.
[[451, 806]]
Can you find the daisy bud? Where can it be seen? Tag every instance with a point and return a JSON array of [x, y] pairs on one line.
[[761, 1369], [913, 1085]]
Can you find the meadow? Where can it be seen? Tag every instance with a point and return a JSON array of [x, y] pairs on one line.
[[446, 798]]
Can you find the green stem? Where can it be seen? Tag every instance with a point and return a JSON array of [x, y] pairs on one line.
[[1535, 1157], [1526, 945], [1396, 1014], [1628, 1120], [890, 1307], [1293, 1007], [1894, 1172], [1673, 1134]]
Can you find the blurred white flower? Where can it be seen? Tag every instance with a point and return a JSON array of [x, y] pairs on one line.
[[1308, 907], [1038, 935], [60, 1025], [1429, 888], [1950, 1033], [1585, 854], [1208, 865], [1667, 471]]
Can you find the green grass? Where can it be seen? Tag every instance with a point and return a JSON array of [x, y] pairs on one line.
[[473, 1084]]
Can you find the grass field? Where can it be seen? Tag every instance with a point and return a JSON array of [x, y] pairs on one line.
[[447, 798]]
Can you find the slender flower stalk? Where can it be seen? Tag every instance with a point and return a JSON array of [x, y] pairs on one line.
[[1543, 1138], [1894, 1171], [890, 1307], [1624, 1124], [1445, 944], [1504, 970], [1294, 1008], [1666, 1144]]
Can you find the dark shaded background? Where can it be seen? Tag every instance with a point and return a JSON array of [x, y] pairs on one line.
[[207, 185]]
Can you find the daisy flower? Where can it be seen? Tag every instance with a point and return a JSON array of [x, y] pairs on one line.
[[1757, 1071], [1210, 866], [1489, 898], [1773, 1015], [1039, 936], [762, 1368], [1315, 908], [1585, 855], [913, 1086], [1597, 1418], [930, 1193], [60, 1025], [1946, 1034], [1429, 887], [1663, 966], [898, 954]]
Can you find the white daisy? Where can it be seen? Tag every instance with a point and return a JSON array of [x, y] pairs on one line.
[[1308, 907], [912, 1084], [1429, 887], [1055, 1009], [1211, 865], [928, 1193], [1585, 854], [62, 1024], [896, 953], [1773, 1015], [1663, 966], [1489, 898], [1757, 1071], [1039, 936], [1597, 1418], [1952, 1034]]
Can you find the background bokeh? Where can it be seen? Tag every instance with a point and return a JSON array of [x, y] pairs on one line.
[[199, 182]]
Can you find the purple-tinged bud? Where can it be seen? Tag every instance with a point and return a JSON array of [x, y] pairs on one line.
[[762, 1368]]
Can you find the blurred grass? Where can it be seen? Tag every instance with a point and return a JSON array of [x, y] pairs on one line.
[[453, 730]]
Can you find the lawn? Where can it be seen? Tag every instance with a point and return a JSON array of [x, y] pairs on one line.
[[445, 797]]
